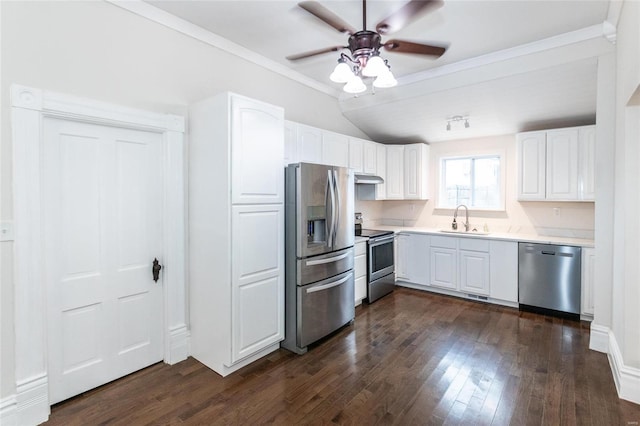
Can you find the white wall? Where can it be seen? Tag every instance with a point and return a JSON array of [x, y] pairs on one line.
[[626, 281], [573, 219], [100, 51]]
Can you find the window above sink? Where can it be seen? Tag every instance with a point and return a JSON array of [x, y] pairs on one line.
[[476, 181]]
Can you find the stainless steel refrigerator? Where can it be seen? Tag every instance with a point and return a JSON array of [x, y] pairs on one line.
[[319, 235]]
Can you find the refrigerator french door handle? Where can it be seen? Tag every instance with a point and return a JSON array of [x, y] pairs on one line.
[[332, 184], [328, 198], [338, 203]]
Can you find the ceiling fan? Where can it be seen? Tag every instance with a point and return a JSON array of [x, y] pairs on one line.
[[365, 45]]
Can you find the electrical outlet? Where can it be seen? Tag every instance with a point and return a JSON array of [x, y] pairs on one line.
[[6, 231], [556, 211]]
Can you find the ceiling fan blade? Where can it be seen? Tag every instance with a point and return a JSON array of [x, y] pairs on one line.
[[315, 52], [405, 14], [402, 46], [324, 14]]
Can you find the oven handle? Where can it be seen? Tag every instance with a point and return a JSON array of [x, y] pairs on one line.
[[380, 241], [328, 259], [326, 286]]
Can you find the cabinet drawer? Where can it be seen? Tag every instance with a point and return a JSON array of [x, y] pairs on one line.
[[360, 268], [445, 242], [361, 248], [474, 244]]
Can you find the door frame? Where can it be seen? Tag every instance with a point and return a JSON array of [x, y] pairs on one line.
[[29, 107]]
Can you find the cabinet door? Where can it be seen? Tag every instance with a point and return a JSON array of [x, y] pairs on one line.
[[309, 144], [587, 166], [360, 271], [290, 143], [562, 164], [503, 270], [395, 172], [369, 159], [257, 296], [417, 259], [356, 153], [531, 165], [335, 149], [415, 171], [474, 272], [257, 150], [402, 256], [444, 267], [381, 170], [588, 264]]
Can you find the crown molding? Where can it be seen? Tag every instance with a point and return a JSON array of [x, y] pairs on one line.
[[561, 40], [161, 17]]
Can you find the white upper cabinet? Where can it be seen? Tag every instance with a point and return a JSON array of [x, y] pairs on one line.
[[395, 172], [369, 158], [257, 176], [532, 165], [416, 172], [309, 144], [335, 149], [562, 164], [587, 163], [557, 165], [381, 170], [356, 154]]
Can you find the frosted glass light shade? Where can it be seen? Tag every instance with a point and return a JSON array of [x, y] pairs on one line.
[[385, 80], [375, 67], [355, 85], [342, 73]]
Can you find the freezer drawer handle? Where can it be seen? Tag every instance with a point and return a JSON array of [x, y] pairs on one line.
[[326, 286], [327, 260]]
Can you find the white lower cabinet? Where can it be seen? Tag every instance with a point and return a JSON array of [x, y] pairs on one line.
[[360, 271], [468, 267], [588, 263], [257, 278], [413, 252], [503, 271], [474, 272], [444, 262]]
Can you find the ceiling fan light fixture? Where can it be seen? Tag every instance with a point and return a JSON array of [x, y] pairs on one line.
[[385, 80], [355, 85], [375, 66], [342, 73]]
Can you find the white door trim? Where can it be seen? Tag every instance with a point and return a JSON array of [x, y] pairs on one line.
[[28, 108]]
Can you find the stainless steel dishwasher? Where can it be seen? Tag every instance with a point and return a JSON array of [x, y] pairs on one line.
[[549, 278]]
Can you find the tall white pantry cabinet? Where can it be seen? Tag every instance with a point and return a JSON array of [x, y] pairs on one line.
[[236, 230]]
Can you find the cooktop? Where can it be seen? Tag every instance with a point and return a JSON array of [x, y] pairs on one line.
[[372, 233]]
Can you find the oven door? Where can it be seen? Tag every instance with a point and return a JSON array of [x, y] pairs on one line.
[[380, 259]]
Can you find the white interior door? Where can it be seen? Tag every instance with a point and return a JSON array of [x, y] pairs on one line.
[[103, 229]]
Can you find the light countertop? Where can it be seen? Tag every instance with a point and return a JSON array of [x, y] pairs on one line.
[[525, 238]]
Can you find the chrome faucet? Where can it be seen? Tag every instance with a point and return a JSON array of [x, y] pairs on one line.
[[454, 224]]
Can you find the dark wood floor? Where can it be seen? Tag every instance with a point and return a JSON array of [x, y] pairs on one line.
[[410, 358]]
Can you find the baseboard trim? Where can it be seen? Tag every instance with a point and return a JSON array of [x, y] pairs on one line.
[[599, 340], [178, 344], [32, 401], [627, 379], [8, 411]]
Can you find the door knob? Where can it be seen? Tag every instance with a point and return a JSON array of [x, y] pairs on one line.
[[156, 270]]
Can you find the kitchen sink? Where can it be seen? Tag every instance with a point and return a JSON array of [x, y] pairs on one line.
[[456, 231]]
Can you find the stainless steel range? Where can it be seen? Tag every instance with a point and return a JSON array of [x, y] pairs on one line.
[[381, 273]]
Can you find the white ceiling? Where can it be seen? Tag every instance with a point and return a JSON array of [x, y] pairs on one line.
[[502, 92]]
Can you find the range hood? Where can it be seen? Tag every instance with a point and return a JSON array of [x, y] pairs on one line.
[[367, 179]]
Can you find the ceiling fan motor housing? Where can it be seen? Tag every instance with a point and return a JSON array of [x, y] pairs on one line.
[[364, 44]]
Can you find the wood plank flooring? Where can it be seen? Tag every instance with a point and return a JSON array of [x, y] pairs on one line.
[[410, 358]]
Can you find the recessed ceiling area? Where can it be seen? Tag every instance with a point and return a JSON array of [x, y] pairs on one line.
[[502, 95]]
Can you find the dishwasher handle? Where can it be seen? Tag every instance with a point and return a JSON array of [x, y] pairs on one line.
[[549, 253]]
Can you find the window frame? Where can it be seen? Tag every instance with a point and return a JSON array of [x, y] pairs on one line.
[[473, 156]]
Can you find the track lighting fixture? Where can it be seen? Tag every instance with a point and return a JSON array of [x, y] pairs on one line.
[[457, 118]]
